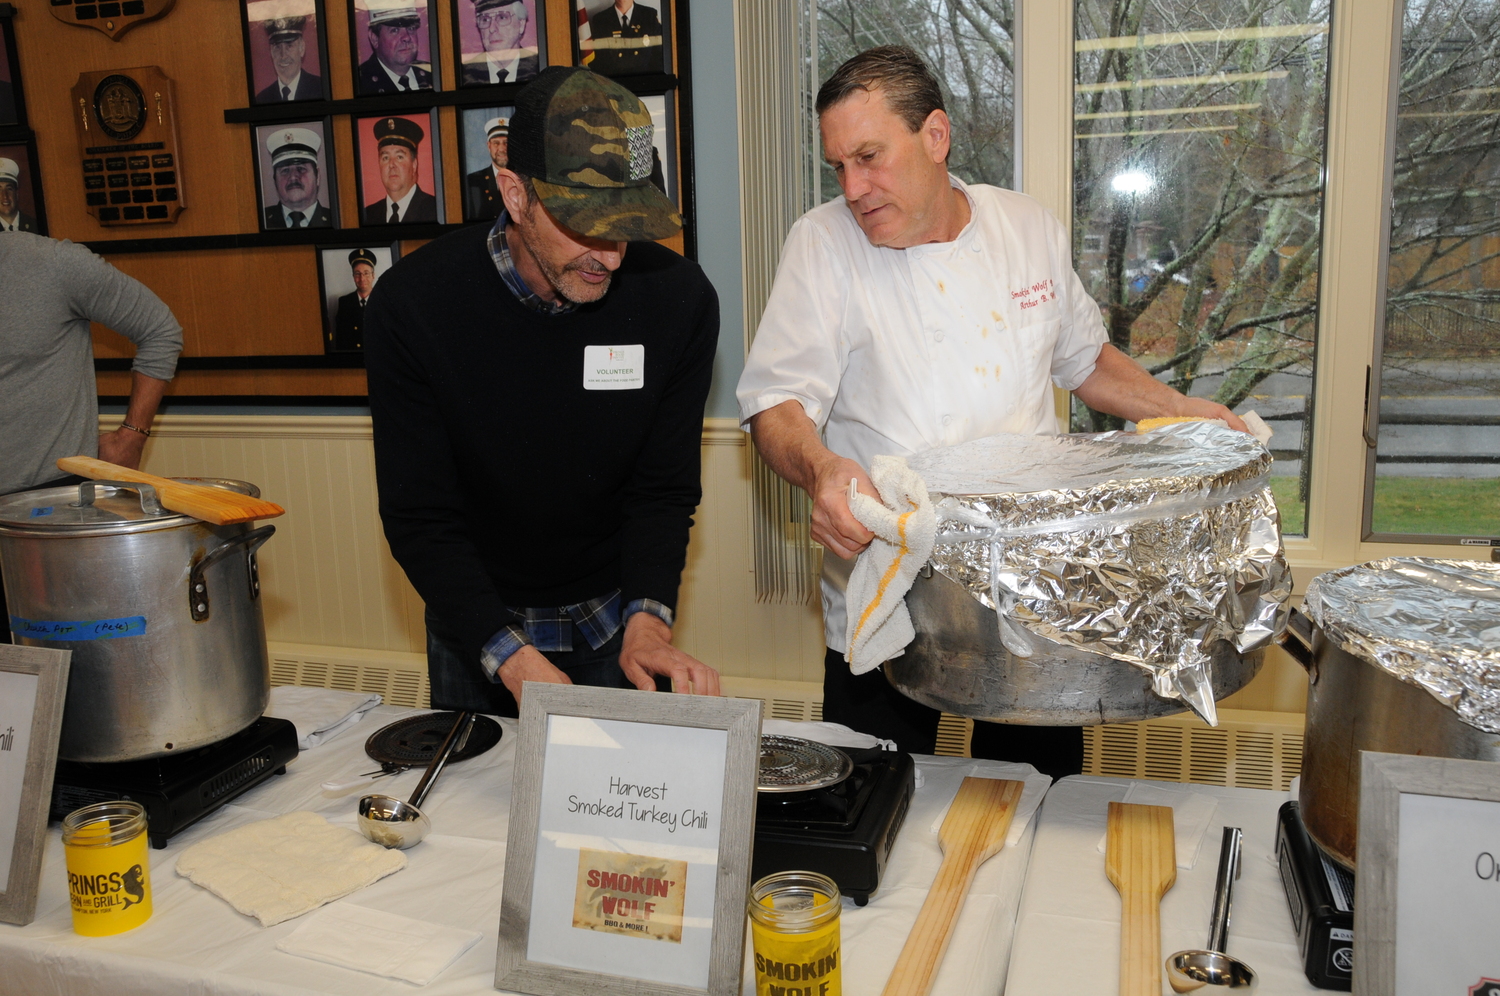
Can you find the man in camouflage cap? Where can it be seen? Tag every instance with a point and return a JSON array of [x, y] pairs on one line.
[[537, 387]]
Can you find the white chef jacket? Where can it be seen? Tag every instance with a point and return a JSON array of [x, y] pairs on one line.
[[896, 351]]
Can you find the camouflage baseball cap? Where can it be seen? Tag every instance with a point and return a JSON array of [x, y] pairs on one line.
[[585, 141]]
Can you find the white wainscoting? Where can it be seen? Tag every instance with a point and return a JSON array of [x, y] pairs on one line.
[[329, 579], [333, 591]]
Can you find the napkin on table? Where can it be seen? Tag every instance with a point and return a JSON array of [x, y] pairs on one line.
[[1191, 814], [832, 734], [1036, 785], [319, 714], [379, 943], [283, 867]]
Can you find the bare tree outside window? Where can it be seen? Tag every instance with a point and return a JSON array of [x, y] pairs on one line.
[[1438, 457], [1198, 163]]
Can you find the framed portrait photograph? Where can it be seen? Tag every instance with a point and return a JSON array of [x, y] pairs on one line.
[[346, 276], [21, 190], [12, 106], [627, 865], [33, 684], [623, 37], [399, 169], [483, 138], [296, 187], [286, 50], [393, 43], [499, 41], [663, 145]]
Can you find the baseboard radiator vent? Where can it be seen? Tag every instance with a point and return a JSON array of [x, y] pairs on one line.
[[400, 677], [1248, 749]]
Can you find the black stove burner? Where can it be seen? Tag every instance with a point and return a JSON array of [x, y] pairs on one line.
[[412, 742], [180, 789], [1320, 893], [844, 831]]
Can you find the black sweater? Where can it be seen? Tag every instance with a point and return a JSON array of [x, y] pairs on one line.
[[503, 483]]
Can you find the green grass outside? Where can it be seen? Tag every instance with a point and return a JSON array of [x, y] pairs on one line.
[[1445, 506]]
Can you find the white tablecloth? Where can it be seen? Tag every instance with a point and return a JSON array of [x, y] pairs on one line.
[[197, 943], [1068, 934]]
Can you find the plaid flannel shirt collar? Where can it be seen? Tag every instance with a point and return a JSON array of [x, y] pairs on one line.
[[551, 629], [500, 253]]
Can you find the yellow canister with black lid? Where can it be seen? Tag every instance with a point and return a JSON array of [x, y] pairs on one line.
[[794, 929], [109, 874]]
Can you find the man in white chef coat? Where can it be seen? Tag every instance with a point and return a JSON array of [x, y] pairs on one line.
[[918, 311]]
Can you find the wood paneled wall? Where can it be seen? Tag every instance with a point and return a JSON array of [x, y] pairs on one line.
[[232, 302]]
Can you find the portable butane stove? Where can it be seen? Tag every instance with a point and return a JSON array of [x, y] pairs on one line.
[[180, 789], [831, 810], [1320, 892]]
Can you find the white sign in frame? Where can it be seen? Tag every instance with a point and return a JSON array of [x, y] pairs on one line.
[[33, 685], [1427, 885], [628, 859]]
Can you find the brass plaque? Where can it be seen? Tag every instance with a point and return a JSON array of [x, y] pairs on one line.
[[127, 136], [113, 17]]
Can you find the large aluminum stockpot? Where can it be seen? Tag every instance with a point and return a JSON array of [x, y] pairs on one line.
[[1356, 704], [958, 664], [161, 611]]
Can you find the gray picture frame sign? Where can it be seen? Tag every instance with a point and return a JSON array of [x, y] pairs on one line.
[[1384, 779], [50, 668], [740, 719]]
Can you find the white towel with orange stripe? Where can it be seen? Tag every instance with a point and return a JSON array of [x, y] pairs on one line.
[[905, 526]]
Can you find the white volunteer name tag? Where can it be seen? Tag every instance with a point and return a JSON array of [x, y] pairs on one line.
[[614, 368]]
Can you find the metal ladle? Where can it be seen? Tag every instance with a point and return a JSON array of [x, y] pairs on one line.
[[1213, 970], [393, 823]]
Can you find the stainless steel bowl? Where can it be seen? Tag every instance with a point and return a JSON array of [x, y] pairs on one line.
[[958, 664]]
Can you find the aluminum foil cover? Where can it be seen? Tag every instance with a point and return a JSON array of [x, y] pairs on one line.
[[1146, 548], [1431, 623]]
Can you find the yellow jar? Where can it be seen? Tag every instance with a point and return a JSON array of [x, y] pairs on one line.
[[109, 876], [794, 928]]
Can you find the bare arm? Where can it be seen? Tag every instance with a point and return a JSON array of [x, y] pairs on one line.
[[1122, 387], [788, 442], [124, 446]]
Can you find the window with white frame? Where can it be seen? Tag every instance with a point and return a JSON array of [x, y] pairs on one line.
[[1436, 467]]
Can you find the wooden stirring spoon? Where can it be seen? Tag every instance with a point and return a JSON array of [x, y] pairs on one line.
[[972, 832], [219, 506], [1140, 858]]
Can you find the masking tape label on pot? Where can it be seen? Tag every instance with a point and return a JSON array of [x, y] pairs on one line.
[[88, 629]]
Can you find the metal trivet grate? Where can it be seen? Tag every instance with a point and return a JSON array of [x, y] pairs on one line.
[[792, 764], [413, 741]]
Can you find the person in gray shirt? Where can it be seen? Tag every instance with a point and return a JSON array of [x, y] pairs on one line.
[[49, 405]]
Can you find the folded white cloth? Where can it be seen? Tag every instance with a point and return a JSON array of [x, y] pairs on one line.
[[281, 868], [832, 734], [1036, 784], [379, 943], [319, 714], [905, 526], [1191, 814], [1258, 427]]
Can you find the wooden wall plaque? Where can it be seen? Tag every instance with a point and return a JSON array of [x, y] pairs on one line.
[[113, 17], [127, 140]]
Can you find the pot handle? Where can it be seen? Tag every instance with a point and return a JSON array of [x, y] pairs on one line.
[[1297, 639], [198, 602], [150, 503]]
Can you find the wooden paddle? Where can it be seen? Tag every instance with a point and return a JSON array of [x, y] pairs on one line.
[[972, 832], [220, 506], [1140, 858]]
